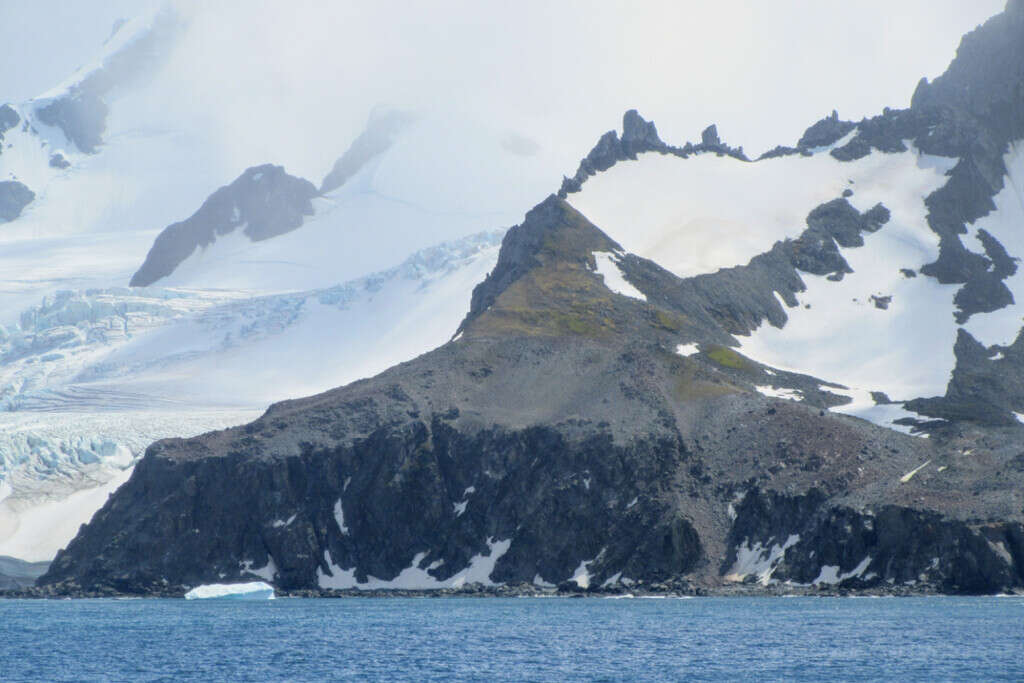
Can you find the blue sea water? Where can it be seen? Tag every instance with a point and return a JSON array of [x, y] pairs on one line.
[[794, 639]]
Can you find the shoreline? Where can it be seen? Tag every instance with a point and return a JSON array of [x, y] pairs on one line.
[[531, 591]]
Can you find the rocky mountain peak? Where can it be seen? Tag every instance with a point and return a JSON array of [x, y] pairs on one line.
[[709, 136], [548, 255], [264, 201], [638, 134], [825, 132]]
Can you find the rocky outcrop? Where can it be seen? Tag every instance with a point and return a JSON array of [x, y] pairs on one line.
[[808, 541], [58, 160], [825, 132], [14, 197], [263, 202], [639, 136], [82, 116], [8, 119]]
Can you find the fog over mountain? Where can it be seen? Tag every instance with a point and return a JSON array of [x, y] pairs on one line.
[[294, 81]]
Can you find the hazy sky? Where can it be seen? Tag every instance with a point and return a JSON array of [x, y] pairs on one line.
[[292, 81]]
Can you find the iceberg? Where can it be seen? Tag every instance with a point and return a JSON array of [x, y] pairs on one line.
[[255, 590]]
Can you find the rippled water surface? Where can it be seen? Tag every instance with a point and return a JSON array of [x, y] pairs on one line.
[[906, 639]]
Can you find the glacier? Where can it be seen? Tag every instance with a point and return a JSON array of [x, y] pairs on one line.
[[90, 378]]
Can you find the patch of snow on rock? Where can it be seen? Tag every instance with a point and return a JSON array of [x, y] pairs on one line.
[[278, 523], [910, 475], [687, 350], [538, 581], [608, 269], [339, 517], [414, 577], [758, 560], [267, 572], [830, 575], [791, 394]]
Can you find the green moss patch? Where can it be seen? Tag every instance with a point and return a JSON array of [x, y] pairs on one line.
[[728, 358]]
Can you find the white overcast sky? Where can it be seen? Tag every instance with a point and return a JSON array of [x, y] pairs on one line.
[[290, 81]]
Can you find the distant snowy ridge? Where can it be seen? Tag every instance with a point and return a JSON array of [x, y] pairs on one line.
[[78, 106], [75, 343], [408, 180]]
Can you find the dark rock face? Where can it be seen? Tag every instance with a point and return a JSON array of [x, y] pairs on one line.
[[379, 135], [987, 387], [8, 119], [264, 201], [82, 117], [832, 223], [825, 132], [59, 161], [739, 299], [890, 545], [14, 197], [639, 135], [709, 136]]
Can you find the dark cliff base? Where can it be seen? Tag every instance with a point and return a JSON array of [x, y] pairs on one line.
[[671, 589]]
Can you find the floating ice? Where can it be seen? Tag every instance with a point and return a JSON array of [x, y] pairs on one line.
[[255, 590]]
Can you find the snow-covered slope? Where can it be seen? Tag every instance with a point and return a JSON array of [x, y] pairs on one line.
[[868, 330], [92, 372], [104, 178], [440, 179], [90, 378]]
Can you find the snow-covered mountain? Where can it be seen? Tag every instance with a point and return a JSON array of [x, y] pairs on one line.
[[864, 325], [654, 383], [269, 287]]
